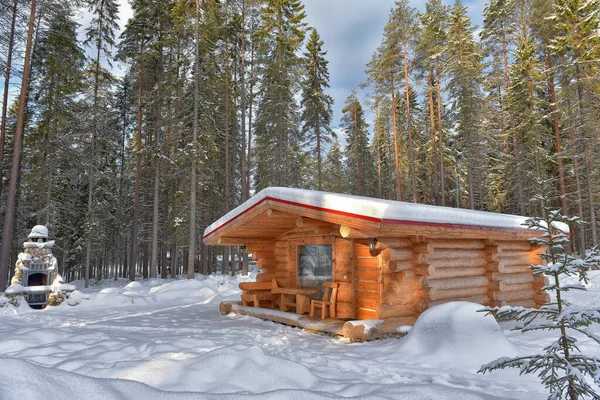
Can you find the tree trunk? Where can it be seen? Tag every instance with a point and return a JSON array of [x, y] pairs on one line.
[[436, 183], [556, 129], [250, 101], [9, 215], [88, 241], [586, 154], [6, 86], [411, 150], [243, 163], [440, 133], [396, 149], [138, 172], [192, 233], [157, 160]]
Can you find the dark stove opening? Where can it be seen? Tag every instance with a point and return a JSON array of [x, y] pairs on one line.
[[37, 280]]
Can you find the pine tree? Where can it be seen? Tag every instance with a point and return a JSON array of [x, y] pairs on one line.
[[464, 69], [316, 113], [562, 367], [100, 34], [402, 30], [277, 136], [432, 45], [576, 22], [333, 169], [9, 214], [360, 176]]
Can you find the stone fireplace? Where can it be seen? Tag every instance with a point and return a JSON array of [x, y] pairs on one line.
[[38, 273]]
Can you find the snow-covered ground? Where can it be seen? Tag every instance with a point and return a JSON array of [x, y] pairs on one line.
[[167, 340]]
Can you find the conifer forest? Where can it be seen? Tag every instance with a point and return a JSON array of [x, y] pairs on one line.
[[218, 99]]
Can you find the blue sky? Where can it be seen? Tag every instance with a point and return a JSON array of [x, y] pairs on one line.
[[351, 31]]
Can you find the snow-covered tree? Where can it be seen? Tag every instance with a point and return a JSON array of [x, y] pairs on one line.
[[562, 367]]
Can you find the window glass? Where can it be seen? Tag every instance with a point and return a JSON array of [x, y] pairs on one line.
[[314, 265]]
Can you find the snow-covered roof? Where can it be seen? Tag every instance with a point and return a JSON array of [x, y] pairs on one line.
[[376, 210]]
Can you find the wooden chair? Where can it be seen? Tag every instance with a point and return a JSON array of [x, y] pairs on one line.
[[328, 302]]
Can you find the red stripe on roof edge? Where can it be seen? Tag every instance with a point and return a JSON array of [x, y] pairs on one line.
[[364, 217]]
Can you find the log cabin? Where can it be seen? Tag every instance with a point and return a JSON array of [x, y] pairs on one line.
[[391, 260]]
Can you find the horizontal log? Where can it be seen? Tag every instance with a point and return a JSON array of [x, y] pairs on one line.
[[396, 243], [517, 258], [514, 287], [513, 278], [512, 269], [446, 254], [481, 299], [519, 303], [281, 259], [512, 296], [391, 325], [466, 244], [232, 241], [522, 245], [445, 294], [351, 233], [384, 311], [459, 244], [345, 310], [456, 262], [542, 298], [425, 247], [539, 282], [396, 266], [390, 254], [454, 283], [445, 273], [225, 308], [276, 213], [362, 313], [266, 263], [265, 277]]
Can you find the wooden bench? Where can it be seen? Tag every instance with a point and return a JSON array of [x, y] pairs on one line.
[[255, 292]]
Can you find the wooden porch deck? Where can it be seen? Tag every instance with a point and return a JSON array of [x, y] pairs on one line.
[[360, 330]]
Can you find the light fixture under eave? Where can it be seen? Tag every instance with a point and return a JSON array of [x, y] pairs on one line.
[[372, 248]]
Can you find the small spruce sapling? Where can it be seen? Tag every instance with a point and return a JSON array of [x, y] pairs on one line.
[[562, 367]]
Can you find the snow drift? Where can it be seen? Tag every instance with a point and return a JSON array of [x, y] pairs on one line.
[[457, 333]]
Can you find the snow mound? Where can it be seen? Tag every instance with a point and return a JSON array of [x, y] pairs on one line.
[[15, 306], [252, 368], [456, 333]]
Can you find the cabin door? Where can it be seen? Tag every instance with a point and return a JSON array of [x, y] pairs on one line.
[[367, 280]]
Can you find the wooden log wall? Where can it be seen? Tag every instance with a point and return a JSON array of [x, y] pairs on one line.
[[273, 259], [367, 282], [343, 273], [400, 284], [411, 275], [511, 281]]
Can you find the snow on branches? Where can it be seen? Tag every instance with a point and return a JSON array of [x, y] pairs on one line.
[[562, 367]]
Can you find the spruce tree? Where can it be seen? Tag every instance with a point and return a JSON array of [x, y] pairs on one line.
[[360, 166], [100, 35], [576, 22], [316, 113], [333, 169], [464, 70], [276, 132], [562, 367]]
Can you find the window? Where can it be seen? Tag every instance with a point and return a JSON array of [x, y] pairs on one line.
[[314, 265]]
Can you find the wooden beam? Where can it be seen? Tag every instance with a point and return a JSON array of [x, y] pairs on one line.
[[228, 240], [351, 233], [276, 213]]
